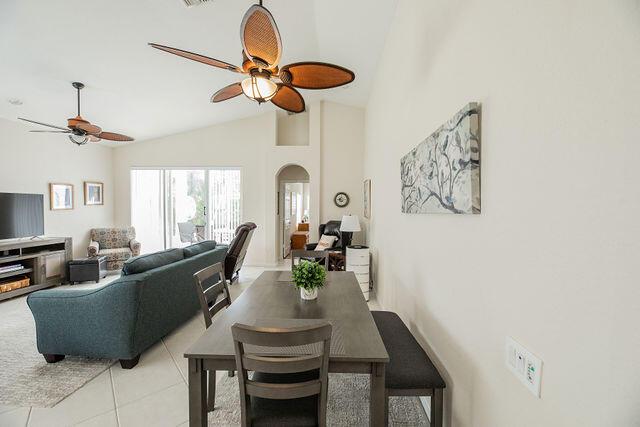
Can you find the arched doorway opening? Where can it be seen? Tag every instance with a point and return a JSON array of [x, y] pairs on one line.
[[293, 213]]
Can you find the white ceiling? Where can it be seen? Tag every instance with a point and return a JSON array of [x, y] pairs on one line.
[[134, 89]]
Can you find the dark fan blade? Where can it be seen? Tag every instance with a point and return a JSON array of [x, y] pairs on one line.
[[43, 124], [196, 57], [89, 128], [289, 99], [114, 137], [50, 131], [227, 92], [315, 75], [260, 36]]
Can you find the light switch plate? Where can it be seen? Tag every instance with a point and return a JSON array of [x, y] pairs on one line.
[[526, 366]]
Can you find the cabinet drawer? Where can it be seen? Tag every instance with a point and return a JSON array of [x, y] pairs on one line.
[[363, 278], [358, 269]]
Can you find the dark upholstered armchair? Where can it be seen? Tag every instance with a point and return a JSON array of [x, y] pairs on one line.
[[238, 250], [332, 228], [117, 244]]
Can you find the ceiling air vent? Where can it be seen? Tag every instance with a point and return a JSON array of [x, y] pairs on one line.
[[190, 3]]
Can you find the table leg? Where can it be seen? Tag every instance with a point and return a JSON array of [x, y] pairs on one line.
[[197, 394], [211, 392], [377, 400]]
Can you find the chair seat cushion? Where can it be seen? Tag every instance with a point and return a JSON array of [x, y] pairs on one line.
[[409, 366], [118, 254], [286, 413]]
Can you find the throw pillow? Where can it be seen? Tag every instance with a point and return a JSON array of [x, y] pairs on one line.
[[326, 242]]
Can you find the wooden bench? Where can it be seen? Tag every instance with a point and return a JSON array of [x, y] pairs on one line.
[[409, 372]]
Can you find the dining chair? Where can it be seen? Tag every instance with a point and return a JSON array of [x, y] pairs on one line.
[[265, 399], [213, 294], [314, 256]]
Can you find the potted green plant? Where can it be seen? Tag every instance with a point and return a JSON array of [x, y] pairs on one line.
[[309, 276]]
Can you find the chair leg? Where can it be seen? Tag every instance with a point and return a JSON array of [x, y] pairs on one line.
[[386, 407], [437, 405], [211, 392]]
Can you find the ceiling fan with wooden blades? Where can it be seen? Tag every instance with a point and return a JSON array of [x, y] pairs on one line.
[[81, 131], [266, 81]]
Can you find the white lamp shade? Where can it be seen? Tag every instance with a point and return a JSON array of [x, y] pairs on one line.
[[350, 223]]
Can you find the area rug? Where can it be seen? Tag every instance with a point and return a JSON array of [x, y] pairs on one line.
[[25, 378], [348, 404]]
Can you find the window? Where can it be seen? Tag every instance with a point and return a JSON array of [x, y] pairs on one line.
[[177, 207]]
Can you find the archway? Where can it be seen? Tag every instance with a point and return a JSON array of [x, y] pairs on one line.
[[293, 212]]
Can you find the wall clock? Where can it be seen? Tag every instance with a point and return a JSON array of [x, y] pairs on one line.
[[341, 199]]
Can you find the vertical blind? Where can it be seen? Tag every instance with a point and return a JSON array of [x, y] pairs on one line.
[[225, 211]]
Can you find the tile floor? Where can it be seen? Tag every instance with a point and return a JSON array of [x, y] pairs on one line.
[[154, 393]]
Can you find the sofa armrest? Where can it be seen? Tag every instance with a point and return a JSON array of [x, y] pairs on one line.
[[93, 249], [134, 245], [311, 246], [94, 322]]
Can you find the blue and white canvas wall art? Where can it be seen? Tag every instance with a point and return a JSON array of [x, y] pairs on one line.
[[442, 174]]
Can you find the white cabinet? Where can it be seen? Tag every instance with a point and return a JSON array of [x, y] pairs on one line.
[[358, 262]]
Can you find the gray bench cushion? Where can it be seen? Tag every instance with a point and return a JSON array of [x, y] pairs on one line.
[[409, 366]]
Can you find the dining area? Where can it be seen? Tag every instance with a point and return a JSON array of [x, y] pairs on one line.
[[288, 357]]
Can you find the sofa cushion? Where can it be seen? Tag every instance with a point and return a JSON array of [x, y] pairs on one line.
[[199, 248], [147, 262], [119, 254]]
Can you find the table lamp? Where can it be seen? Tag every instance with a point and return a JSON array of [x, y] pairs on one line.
[[349, 225]]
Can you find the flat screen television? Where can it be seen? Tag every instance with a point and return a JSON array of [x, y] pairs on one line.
[[21, 215]]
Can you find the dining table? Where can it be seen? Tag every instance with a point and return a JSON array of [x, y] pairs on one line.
[[273, 300]]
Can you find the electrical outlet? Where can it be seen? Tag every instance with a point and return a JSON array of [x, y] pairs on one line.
[[524, 365]]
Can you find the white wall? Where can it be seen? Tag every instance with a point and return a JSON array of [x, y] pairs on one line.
[[251, 144], [342, 164], [30, 161], [551, 261], [241, 143]]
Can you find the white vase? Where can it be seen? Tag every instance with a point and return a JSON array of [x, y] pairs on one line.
[[309, 294]]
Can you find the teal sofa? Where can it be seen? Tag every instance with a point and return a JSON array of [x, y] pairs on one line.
[[154, 295]]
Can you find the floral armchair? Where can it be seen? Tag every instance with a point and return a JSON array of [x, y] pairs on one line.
[[117, 244]]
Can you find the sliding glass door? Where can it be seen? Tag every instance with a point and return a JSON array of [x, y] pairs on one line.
[[173, 208]]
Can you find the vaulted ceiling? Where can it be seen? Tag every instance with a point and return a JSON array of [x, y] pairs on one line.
[[134, 89]]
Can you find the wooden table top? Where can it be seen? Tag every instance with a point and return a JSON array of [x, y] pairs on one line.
[[340, 301]]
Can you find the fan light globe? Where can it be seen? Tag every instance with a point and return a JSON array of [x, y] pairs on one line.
[[259, 88]]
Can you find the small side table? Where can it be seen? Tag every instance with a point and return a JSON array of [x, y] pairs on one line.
[[85, 269], [358, 262]]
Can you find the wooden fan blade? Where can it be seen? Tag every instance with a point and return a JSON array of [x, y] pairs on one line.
[[93, 138], [50, 131], [196, 57], [89, 128], [114, 137], [260, 36], [42, 124], [227, 92], [316, 75], [289, 99]]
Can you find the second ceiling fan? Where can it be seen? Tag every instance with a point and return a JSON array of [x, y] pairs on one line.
[[266, 81]]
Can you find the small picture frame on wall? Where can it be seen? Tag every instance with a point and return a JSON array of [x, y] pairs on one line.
[[60, 196], [93, 193], [367, 198]]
